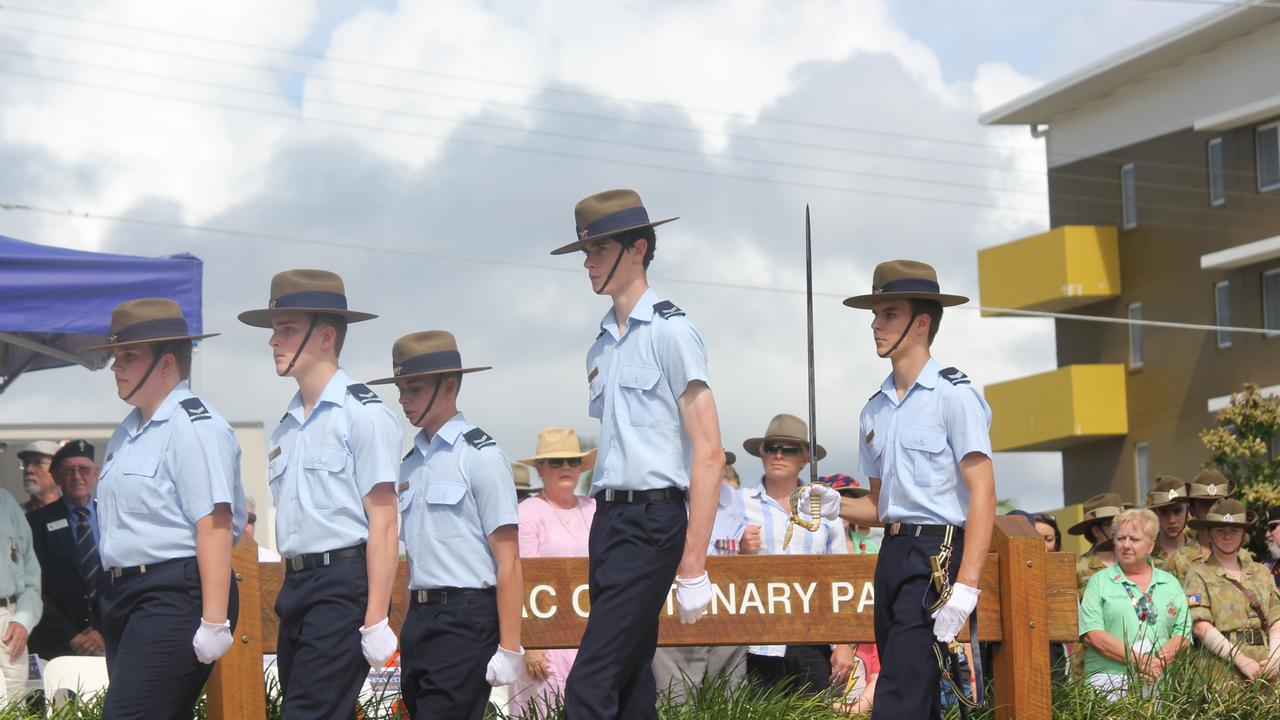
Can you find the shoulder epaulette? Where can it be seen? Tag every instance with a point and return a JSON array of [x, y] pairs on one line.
[[285, 415], [407, 455], [954, 376], [602, 332], [667, 310], [873, 396], [479, 439], [361, 392], [195, 409]]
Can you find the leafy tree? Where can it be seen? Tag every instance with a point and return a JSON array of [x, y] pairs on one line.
[[1241, 446]]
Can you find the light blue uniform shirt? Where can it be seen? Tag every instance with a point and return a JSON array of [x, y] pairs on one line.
[[635, 380], [159, 479], [455, 490], [19, 570], [729, 522], [915, 445], [321, 468]]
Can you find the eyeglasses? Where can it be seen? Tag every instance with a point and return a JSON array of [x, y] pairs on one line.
[[84, 471], [35, 463], [558, 463], [771, 448]]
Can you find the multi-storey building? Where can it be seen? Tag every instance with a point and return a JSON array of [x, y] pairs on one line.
[[1164, 196]]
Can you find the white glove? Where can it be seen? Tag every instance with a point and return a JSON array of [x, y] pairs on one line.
[[693, 595], [829, 499], [949, 618], [378, 642], [504, 667], [212, 640]]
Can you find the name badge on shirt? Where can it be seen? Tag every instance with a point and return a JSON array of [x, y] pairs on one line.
[[592, 375], [273, 454], [56, 525]]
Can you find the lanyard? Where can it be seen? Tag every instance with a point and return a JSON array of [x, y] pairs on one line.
[[1142, 607]]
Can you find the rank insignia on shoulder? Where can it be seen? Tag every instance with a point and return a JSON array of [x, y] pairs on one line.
[[407, 455], [361, 392], [479, 439], [954, 376], [195, 409], [871, 436], [667, 310], [273, 454]]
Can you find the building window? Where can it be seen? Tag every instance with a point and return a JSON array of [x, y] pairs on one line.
[[1271, 301], [1135, 336], [1222, 311], [1142, 468], [1128, 197], [1268, 144], [1217, 179]]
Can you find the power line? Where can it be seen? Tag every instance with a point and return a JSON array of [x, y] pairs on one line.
[[256, 235]]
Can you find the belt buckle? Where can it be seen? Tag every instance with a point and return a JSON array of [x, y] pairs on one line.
[[296, 563], [325, 560], [895, 528], [116, 573]]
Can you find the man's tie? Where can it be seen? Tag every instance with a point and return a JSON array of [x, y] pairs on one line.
[[87, 551]]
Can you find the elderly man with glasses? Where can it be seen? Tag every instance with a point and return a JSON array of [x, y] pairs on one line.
[[65, 537], [784, 451], [37, 480]]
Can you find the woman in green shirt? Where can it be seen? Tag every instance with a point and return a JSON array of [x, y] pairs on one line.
[[1133, 617]]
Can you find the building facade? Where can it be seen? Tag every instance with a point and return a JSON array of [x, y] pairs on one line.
[[1164, 194]]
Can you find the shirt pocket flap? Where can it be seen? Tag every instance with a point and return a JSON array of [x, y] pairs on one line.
[[639, 377], [445, 493], [405, 499], [924, 439], [329, 459], [596, 387], [276, 467], [146, 467]]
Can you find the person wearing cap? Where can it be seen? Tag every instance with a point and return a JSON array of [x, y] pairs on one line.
[[784, 452], [20, 603], [37, 479], [1235, 607], [1273, 543], [332, 468], [924, 446], [555, 522], [66, 537], [680, 669], [861, 541], [524, 486], [1097, 528], [1208, 487], [1133, 617], [729, 476], [1168, 500], [169, 508], [459, 525], [648, 385]]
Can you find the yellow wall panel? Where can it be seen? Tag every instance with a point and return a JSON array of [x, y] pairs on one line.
[[1066, 267], [1058, 408]]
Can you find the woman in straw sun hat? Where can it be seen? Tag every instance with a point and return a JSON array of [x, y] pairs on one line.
[[1235, 607], [555, 522], [170, 506]]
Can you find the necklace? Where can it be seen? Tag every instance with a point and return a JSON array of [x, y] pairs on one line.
[[560, 516]]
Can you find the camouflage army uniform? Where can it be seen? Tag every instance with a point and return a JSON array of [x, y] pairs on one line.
[[1086, 566], [1180, 562], [1213, 598]]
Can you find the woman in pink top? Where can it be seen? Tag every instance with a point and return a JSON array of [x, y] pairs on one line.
[[556, 522]]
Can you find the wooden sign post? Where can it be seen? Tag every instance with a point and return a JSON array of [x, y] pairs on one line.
[[1028, 601]]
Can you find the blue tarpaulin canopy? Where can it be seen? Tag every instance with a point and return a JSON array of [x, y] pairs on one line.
[[54, 301]]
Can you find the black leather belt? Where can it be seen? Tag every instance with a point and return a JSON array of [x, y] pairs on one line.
[[1250, 636], [640, 496], [440, 596], [918, 530], [120, 573], [310, 561], [8, 602]]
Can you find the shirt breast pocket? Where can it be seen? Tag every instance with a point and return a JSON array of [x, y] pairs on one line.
[[595, 398], [926, 450], [275, 476], [404, 505], [638, 383], [324, 468], [138, 490], [445, 509]]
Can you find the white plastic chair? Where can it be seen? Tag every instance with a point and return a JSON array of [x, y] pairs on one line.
[[69, 674]]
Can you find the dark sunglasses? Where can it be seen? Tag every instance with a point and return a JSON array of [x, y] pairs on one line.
[[770, 449], [560, 462]]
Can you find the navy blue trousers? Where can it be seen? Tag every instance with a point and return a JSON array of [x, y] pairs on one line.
[[318, 651], [447, 647], [908, 686], [635, 550], [805, 668], [149, 621]]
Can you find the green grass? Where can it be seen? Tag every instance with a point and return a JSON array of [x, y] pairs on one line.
[[1197, 686]]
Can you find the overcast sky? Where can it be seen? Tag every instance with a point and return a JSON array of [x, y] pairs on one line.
[[432, 153]]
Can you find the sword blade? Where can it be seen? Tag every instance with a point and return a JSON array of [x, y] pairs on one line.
[[813, 412]]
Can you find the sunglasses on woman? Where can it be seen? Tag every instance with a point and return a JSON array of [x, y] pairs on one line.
[[560, 462]]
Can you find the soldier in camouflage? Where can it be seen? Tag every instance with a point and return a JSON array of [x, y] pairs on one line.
[[1168, 500], [1096, 527], [1234, 605], [1207, 488]]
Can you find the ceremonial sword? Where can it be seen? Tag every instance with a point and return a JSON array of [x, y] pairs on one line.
[[814, 521]]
